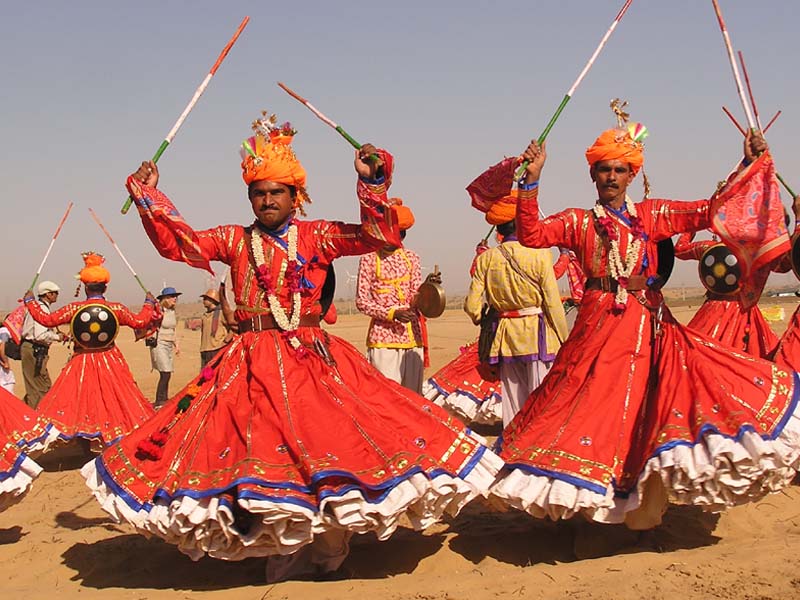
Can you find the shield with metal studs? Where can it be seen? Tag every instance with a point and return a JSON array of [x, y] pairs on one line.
[[719, 270], [94, 326]]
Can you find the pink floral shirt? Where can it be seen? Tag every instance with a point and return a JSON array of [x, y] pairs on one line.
[[385, 285]]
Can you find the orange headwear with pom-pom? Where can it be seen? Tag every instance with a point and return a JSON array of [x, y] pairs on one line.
[[268, 155], [94, 271], [617, 144], [403, 214], [504, 210]]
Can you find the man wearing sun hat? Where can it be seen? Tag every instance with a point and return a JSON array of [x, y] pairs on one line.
[[519, 283], [35, 347], [214, 329]]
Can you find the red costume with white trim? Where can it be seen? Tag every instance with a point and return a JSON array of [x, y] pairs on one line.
[[95, 397], [290, 434]]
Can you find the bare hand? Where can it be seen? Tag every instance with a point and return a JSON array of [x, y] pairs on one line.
[[150, 297], [367, 167], [28, 294], [147, 174], [535, 155], [754, 145], [404, 315], [5, 364]]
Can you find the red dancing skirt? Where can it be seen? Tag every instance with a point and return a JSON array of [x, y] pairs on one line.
[[788, 351], [21, 429], [95, 397], [467, 388], [713, 426], [275, 448], [742, 329]]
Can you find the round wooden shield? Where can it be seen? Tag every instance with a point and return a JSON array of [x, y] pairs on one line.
[[796, 255], [94, 326], [431, 299], [719, 270]]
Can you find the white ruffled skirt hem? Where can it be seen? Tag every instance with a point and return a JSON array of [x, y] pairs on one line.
[[18, 481], [488, 412], [714, 473], [211, 526]]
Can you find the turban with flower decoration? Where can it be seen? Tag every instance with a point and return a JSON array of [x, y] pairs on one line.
[[94, 271], [617, 144], [268, 156]]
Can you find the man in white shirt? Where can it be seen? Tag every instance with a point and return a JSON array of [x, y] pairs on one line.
[[36, 340]]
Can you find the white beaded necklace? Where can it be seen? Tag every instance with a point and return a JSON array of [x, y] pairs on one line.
[[617, 269], [286, 323]]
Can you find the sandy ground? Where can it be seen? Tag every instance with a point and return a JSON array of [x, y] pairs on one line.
[[58, 541]]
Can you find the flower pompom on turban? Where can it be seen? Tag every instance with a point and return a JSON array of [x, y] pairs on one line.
[[503, 210], [403, 214], [94, 271], [268, 155], [617, 144]]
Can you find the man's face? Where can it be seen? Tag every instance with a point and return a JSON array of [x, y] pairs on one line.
[[209, 303], [51, 297], [611, 178], [169, 301], [273, 203]]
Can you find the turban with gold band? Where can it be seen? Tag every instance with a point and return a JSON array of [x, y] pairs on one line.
[[94, 271], [503, 210], [617, 144]]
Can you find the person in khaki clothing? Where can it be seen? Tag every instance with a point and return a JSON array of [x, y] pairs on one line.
[[519, 283], [214, 329], [35, 347]]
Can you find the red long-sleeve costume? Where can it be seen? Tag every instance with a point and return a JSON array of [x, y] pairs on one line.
[[95, 396], [274, 446], [630, 395]]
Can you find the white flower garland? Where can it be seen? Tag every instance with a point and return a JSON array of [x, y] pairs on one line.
[[615, 264], [286, 323]]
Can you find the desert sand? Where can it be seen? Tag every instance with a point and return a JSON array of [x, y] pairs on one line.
[[58, 541]]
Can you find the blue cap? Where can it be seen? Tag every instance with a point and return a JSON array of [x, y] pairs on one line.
[[168, 291]]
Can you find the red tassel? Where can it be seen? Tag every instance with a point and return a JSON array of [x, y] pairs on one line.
[[147, 450], [159, 438]]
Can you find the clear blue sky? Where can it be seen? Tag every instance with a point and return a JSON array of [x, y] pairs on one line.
[[91, 88]]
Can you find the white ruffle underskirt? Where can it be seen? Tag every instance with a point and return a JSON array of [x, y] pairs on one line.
[[715, 473], [465, 408], [14, 488], [42, 443], [206, 526]]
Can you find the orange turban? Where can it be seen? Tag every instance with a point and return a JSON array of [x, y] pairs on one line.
[[269, 156], [503, 211], [616, 144], [94, 272], [403, 214]]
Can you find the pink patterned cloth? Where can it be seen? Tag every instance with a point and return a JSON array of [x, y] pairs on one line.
[[14, 322], [493, 184], [749, 218], [385, 285]]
